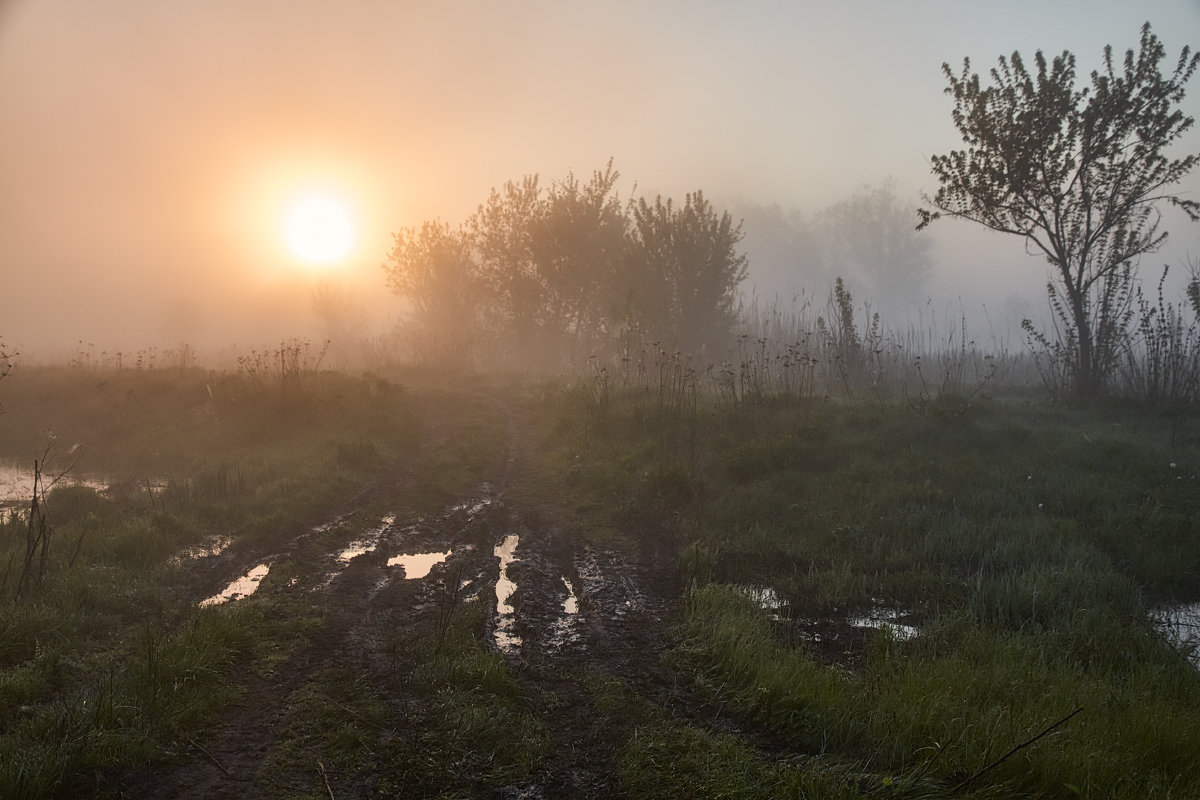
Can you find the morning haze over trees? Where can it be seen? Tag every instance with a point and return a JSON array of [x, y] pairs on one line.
[[550, 276], [554, 275]]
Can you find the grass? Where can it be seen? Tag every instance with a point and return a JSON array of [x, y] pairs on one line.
[[106, 663], [1027, 541]]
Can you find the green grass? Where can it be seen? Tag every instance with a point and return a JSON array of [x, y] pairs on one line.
[[1029, 540]]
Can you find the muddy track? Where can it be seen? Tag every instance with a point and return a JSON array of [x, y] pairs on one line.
[[561, 609]]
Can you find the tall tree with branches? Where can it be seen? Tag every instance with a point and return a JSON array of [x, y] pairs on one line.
[[1079, 173]]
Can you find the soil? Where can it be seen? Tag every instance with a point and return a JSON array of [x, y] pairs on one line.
[[578, 608]]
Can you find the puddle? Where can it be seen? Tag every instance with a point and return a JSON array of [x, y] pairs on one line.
[[506, 639], [882, 617], [474, 506], [766, 598], [1181, 626], [571, 604], [16, 485], [417, 565], [213, 547], [242, 587], [367, 542]]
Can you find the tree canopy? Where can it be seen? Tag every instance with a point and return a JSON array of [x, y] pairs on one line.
[[549, 274]]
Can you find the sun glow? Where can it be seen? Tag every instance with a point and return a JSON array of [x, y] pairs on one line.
[[319, 227]]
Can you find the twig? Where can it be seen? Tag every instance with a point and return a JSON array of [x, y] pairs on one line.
[[149, 491], [213, 758], [1023, 744], [325, 778]]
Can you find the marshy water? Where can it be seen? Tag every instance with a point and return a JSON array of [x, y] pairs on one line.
[[16, 484]]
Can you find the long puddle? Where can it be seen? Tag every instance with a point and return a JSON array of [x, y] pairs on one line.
[[240, 588], [506, 637], [367, 542]]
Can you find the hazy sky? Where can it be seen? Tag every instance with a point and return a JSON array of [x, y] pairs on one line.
[[150, 149]]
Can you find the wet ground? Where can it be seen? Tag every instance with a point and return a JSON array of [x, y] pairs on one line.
[[558, 606]]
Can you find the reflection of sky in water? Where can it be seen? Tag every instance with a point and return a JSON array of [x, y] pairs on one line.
[[506, 639], [417, 565], [571, 604], [16, 483], [887, 618], [367, 542], [1181, 626], [242, 587]]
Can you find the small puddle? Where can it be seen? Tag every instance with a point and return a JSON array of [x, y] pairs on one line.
[[473, 507], [506, 638], [766, 598], [1181, 627], [417, 565], [367, 542], [571, 604], [242, 587], [884, 618], [213, 547]]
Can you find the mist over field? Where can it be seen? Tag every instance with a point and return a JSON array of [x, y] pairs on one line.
[[152, 153]]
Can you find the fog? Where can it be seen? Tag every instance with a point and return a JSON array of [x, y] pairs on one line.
[[150, 150]]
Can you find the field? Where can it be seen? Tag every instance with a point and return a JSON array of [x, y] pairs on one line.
[[469, 587]]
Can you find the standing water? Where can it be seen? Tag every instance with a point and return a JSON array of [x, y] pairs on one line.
[[242, 587], [506, 639]]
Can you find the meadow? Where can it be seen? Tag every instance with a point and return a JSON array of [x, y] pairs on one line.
[[945, 587]]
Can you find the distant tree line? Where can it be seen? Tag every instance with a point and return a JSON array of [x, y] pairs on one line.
[[552, 274]]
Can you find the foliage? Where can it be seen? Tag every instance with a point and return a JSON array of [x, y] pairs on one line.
[[687, 268], [553, 275], [1078, 173], [1161, 361]]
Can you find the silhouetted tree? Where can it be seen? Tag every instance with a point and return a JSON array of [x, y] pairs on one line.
[[434, 268], [871, 235], [578, 243], [1076, 172], [513, 292], [684, 270], [553, 275]]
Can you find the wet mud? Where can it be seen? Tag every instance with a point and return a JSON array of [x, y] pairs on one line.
[[560, 608]]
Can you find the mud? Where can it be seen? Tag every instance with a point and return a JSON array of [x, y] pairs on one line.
[[563, 609]]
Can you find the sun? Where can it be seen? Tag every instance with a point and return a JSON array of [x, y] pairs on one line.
[[319, 227]]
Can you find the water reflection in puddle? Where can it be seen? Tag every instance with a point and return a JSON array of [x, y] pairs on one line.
[[242, 587], [506, 638], [417, 565], [883, 618], [16, 484], [213, 547], [367, 542], [1181, 626], [571, 604]]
